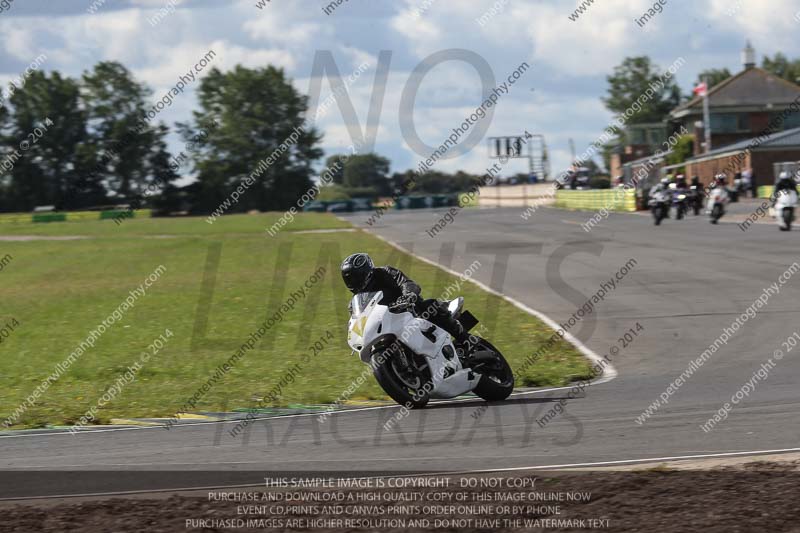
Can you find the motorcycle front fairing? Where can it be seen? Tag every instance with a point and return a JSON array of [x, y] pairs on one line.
[[372, 323]]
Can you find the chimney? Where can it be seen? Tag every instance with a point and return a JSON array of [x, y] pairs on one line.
[[749, 56]]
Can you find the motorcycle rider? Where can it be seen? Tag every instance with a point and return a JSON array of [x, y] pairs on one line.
[[784, 185], [785, 182], [718, 195], [660, 187], [360, 275], [698, 193]]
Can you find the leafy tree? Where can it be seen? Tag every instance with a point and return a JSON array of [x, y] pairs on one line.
[[260, 117], [367, 170], [46, 118], [5, 177], [715, 76], [116, 107], [335, 166], [630, 81], [333, 192], [782, 67], [683, 150]]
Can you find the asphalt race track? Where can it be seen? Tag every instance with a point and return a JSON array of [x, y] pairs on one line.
[[690, 280]]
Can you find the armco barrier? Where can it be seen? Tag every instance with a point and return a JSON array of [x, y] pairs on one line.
[[338, 206], [71, 216], [49, 217], [421, 202], [594, 200]]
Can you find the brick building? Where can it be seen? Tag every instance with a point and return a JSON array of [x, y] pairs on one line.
[[741, 107], [758, 154]]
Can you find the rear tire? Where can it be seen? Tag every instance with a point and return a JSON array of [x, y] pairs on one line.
[[398, 384], [497, 379], [788, 215]]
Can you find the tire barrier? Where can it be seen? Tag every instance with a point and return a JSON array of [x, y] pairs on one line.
[[594, 200]]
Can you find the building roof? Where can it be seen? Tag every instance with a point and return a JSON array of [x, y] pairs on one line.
[[752, 87], [652, 157], [782, 139]]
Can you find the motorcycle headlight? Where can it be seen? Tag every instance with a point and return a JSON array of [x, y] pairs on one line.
[[682, 197]]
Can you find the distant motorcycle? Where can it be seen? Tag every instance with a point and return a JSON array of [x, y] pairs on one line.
[[680, 201], [785, 202], [716, 203], [659, 205], [696, 199]]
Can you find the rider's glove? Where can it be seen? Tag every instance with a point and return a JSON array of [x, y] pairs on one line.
[[410, 297], [405, 302]]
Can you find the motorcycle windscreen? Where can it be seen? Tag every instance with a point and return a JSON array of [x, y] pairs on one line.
[[361, 301]]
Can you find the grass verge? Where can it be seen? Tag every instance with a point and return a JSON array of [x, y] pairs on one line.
[[221, 281]]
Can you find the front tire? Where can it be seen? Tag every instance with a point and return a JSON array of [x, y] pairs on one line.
[[497, 379], [406, 386], [716, 213], [788, 216], [657, 214]]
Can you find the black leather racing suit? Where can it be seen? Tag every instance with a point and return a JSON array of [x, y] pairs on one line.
[[787, 184], [396, 285]]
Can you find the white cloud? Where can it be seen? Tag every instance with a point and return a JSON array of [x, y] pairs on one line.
[[772, 24]]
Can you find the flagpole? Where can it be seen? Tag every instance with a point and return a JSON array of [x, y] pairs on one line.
[[706, 116]]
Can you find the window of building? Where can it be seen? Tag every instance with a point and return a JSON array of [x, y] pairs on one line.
[[792, 121], [730, 122]]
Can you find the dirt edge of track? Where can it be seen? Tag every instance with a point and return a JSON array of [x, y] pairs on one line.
[[750, 496]]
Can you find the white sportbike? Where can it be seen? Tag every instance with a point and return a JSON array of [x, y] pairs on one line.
[[413, 360], [785, 203]]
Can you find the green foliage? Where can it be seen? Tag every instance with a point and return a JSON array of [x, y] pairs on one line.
[[369, 171], [630, 81], [683, 150], [436, 182], [715, 76], [257, 112], [86, 143], [335, 165], [332, 192], [55, 160], [782, 67], [116, 105]]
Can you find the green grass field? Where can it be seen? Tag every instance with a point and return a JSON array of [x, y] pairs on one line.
[[220, 282]]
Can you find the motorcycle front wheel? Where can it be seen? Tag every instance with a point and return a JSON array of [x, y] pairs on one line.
[[497, 379], [404, 380], [657, 214], [716, 213]]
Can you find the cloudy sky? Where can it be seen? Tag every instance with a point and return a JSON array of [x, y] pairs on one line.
[[559, 96]]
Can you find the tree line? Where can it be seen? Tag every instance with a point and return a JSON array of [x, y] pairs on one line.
[[94, 141]]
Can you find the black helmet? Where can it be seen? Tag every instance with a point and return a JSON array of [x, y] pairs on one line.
[[357, 271]]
